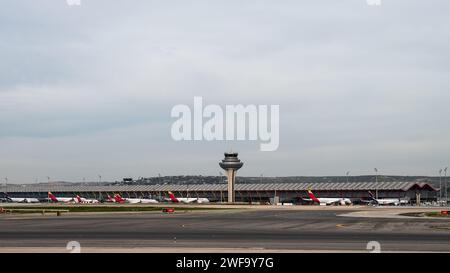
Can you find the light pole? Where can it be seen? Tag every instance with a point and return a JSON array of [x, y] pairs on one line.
[[445, 183], [440, 185], [261, 178], [346, 174], [376, 183], [48, 179], [6, 186]]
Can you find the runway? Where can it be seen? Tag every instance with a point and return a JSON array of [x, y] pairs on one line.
[[232, 230]]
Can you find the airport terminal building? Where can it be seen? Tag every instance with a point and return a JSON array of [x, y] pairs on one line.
[[247, 193]]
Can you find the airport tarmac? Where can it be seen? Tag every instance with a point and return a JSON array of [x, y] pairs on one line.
[[312, 229]]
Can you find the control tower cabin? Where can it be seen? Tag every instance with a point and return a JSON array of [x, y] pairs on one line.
[[231, 164]]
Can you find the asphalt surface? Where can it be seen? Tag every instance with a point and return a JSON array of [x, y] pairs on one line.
[[246, 230]]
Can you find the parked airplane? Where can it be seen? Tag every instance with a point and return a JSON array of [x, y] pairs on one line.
[[387, 201], [21, 199], [327, 201], [121, 200], [55, 199], [84, 200], [186, 200]]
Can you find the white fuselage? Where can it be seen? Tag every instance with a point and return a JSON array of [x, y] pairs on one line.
[[395, 202], [140, 201], [24, 200], [87, 201], [330, 201], [63, 199], [190, 200]]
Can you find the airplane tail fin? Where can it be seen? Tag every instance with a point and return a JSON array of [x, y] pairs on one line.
[[52, 197], [108, 198], [312, 196], [119, 198], [79, 199], [372, 198], [8, 198], [173, 198]]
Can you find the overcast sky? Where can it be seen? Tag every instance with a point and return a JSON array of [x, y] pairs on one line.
[[87, 90]]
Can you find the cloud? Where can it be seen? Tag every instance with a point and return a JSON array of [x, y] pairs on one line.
[[353, 83]]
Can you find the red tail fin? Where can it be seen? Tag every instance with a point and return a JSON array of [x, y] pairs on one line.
[[119, 198], [52, 197], [313, 197], [173, 198], [79, 199]]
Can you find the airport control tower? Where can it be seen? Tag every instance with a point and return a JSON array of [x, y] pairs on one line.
[[231, 164]]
